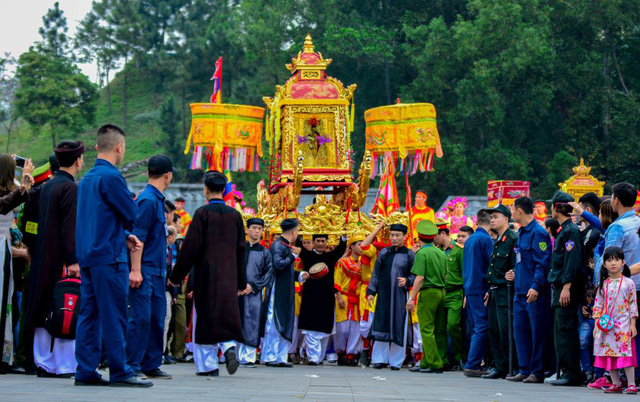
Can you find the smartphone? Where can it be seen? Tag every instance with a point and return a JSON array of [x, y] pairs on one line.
[[19, 161]]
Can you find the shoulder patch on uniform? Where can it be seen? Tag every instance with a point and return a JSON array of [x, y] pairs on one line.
[[543, 245], [569, 245]]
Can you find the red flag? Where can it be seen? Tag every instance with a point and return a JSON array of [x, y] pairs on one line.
[[387, 200], [217, 82]]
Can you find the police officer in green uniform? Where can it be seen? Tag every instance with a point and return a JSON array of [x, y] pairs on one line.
[[503, 259], [454, 293], [430, 269], [564, 275]]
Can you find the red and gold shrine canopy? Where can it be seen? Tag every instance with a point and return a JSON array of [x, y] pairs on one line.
[[582, 182], [309, 117], [505, 191], [402, 137]]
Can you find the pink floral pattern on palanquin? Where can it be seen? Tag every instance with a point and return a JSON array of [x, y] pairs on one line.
[[617, 342]]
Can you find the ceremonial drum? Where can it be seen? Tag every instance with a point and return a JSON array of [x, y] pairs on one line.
[[318, 271]]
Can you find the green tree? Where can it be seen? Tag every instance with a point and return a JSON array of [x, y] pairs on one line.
[[94, 41], [168, 121], [54, 32], [52, 91], [8, 86]]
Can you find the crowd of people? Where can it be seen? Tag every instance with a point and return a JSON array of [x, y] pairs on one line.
[[96, 276]]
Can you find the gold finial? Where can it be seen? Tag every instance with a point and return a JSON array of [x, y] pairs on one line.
[[308, 44]]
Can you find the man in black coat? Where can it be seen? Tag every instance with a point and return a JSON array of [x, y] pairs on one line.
[[54, 256], [279, 327], [317, 312]]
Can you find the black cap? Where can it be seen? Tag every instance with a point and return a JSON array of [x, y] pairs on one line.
[[289, 224], [561, 197], [503, 209], [398, 227], [159, 165], [255, 221]]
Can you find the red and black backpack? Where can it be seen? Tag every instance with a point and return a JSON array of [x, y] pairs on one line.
[[62, 320]]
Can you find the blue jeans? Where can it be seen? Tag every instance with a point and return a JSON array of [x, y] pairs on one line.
[[585, 330]]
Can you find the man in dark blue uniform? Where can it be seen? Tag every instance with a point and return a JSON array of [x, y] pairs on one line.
[[475, 265], [148, 305], [531, 304], [105, 210]]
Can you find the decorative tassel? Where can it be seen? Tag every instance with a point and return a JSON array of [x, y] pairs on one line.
[[353, 114]]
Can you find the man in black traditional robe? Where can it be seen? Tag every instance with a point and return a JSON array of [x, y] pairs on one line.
[[279, 326], [317, 311], [215, 248], [252, 306], [390, 281], [54, 253]]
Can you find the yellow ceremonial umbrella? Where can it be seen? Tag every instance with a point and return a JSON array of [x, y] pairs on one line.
[[225, 136], [403, 136]]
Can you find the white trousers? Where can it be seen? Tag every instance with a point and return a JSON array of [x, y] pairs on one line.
[[417, 339], [276, 348], [205, 357], [246, 354], [295, 338], [388, 353], [62, 360], [316, 345], [365, 325], [167, 321], [347, 338]]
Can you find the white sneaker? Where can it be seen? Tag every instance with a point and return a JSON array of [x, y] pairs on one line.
[[552, 378]]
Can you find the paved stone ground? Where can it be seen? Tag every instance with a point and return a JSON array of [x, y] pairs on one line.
[[323, 383]]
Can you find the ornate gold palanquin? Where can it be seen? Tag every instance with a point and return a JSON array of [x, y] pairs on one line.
[[309, 117], [582, 182]]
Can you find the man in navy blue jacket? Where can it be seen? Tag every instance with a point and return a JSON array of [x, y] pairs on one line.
[[148, 303], [531, 304], [105, 210], [475, 264]]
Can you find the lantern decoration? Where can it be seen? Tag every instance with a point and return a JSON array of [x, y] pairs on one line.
[[226, 137], [402, 138], [505, 191], [582, 182]]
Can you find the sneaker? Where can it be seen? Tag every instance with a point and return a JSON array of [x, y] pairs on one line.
[[599, 384], [632, 390], [550, 379], [614, 389]]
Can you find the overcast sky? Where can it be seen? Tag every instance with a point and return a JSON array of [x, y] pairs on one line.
[[20, 20]]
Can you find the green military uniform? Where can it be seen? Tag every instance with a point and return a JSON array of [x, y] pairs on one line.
[[430, 264], [453, 301], [503, 259], [565, 266]]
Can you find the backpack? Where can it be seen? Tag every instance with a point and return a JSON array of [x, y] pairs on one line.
[[63, 317]]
